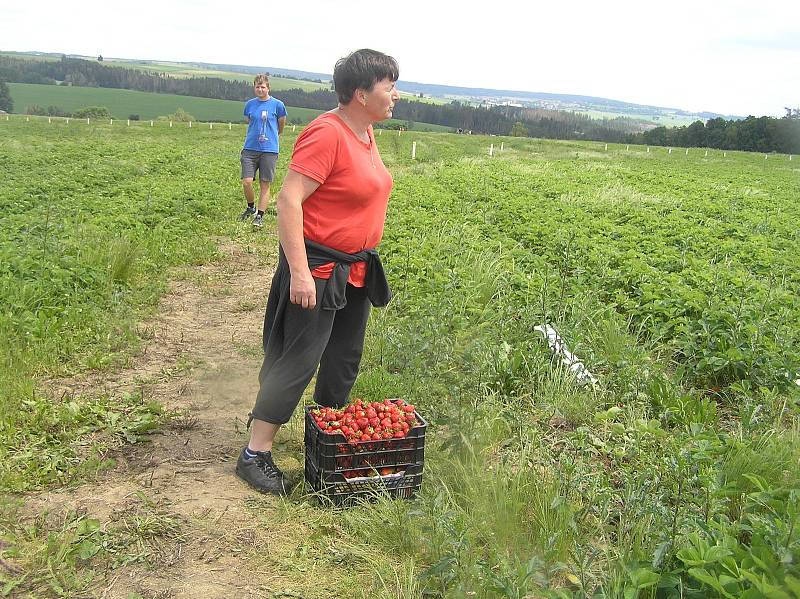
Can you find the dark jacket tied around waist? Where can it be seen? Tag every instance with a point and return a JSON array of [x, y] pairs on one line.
[[333, 298]]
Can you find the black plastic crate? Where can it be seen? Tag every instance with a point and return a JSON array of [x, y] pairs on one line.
[[342, 490], [339, 468], [333, 453]]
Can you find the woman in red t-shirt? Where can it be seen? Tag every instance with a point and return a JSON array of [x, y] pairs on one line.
[[331, 212]]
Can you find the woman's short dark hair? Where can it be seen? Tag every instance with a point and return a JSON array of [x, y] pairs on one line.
[[362, 69]]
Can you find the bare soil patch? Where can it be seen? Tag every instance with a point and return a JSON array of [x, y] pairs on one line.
[[208, 533]]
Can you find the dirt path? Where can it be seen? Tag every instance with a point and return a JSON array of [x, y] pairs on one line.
[[191, 521]]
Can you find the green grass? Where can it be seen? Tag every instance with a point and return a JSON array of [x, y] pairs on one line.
[[76, 277], [666, 120], [122, 103], [672, 276]]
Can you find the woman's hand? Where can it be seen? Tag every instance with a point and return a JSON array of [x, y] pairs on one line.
[[303, 290]]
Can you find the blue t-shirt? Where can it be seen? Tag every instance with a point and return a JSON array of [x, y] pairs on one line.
[[262, 132]]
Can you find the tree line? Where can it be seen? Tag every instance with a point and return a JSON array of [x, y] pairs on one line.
[[754, 134], [498, 120]]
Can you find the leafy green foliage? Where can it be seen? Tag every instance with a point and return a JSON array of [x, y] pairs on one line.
[[675, 282], [95, 112], [6, 103], [60, 560], [47, 442], [80, 262]]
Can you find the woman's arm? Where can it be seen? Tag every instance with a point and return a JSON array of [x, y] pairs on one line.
[[294, 191]]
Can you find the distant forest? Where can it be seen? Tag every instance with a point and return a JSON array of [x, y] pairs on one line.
[[764, 134], [753, 134]]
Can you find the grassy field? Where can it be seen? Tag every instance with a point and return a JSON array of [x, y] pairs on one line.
[[122, 103], [672, 276], [671, 120]]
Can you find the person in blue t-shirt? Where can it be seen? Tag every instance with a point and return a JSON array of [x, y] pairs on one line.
[[266, 117]]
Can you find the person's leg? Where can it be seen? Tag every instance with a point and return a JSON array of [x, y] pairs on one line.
[[290, 360], [290, 363], [262, 434], [266, 173], [249, 193], [339, 364], [249, 165], [263, 196]]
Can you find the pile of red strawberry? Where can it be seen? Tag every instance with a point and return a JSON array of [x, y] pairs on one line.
[[360, 421]]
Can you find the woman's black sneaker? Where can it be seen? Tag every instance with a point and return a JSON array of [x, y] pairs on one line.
[[261, 473]]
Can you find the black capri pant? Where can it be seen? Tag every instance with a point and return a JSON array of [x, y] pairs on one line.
[[331, 340]]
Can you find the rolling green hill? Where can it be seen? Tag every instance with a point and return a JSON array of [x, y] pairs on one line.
[[122, 103], [181, 69]]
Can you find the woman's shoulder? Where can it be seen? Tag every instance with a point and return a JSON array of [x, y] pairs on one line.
[[328, 119], [325, 124]]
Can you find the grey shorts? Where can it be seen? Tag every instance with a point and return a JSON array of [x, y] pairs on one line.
[[263, 162]]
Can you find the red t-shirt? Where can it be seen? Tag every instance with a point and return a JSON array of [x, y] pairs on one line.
[[348, 209]]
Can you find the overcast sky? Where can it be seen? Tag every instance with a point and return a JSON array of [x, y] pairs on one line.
[[735, 57]]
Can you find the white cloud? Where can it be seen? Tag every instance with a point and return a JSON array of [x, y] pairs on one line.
[[736, 57]]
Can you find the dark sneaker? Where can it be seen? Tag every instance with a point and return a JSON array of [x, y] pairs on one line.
[[261, 473], [258, 221], [247, 214]]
